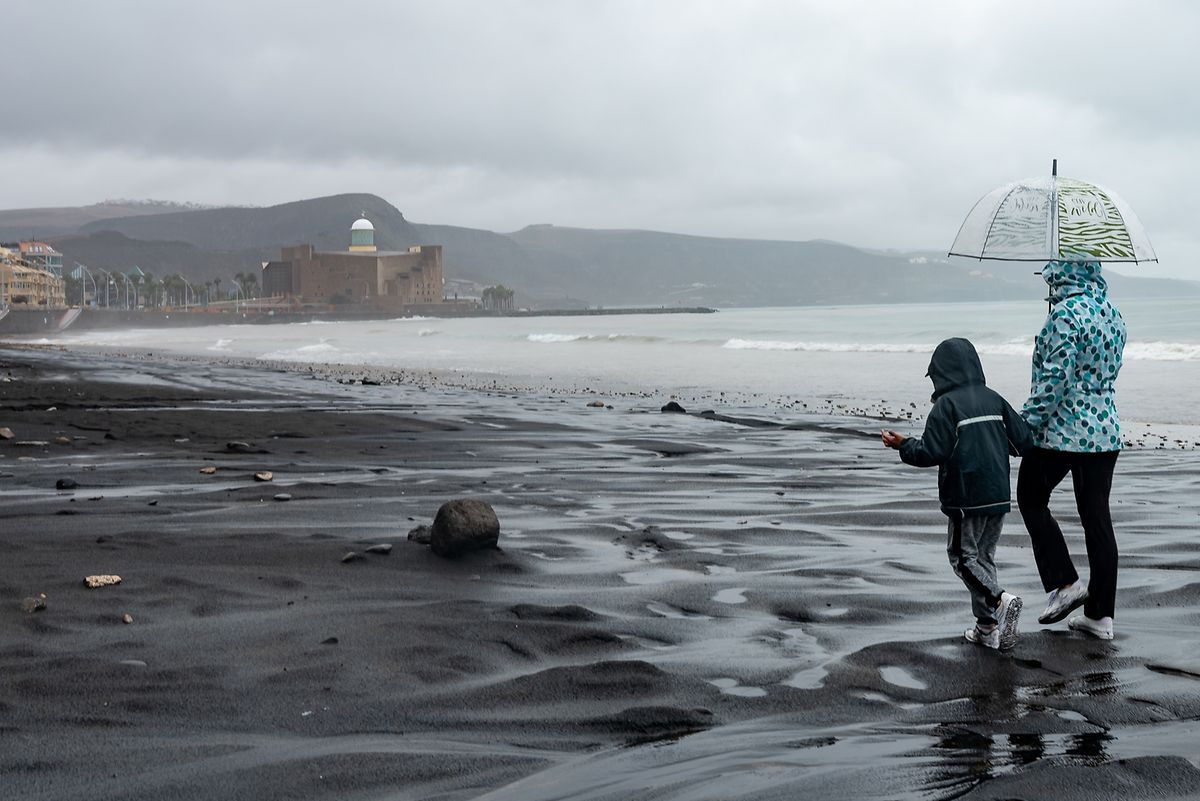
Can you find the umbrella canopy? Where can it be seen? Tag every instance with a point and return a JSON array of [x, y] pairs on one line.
[[1053, 219]]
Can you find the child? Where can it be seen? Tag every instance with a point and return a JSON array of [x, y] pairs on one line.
[[969, 435]]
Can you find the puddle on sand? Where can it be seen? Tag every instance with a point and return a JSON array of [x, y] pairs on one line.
[[660, 575], [902, 678], [809, 678], [733, 595], [734, 687]]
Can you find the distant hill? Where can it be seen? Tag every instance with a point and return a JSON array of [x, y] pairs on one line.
[[550, 265], [16, 224], [624, 266], [324, 222], [109, 250]]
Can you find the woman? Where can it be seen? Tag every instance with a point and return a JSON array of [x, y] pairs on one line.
[[1075, 428]]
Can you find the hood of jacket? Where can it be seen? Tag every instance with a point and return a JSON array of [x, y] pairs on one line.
[[954, 364], [1067, 278]]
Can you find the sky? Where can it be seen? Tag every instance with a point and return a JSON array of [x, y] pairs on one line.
[[877, 124]]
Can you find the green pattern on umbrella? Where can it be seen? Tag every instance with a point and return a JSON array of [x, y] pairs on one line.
[[1089, 224], [1050, 218]]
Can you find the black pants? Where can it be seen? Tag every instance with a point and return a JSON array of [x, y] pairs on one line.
[[1091, 473]]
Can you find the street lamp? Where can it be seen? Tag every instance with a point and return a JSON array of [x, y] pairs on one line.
[[238, 287], [83, 286], [128, 284]]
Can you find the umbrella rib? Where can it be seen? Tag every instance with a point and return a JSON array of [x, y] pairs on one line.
[[1055, 229], [1125, 227], [992, 224]]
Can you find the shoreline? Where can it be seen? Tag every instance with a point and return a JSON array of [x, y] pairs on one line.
[[676, 602], [18, 321]]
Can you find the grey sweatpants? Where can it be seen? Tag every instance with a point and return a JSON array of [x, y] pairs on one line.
[[971, 546]]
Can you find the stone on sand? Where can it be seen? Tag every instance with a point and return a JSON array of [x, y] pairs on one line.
[[420, 535], [264, 475], [31, 605], [239, 447], [101, 581], [126, 618], [208, 471], [7, 433], [66, 484], [673, 407], [283, 496], [352, 556], [382, 548], [596, 404], [462, 526]]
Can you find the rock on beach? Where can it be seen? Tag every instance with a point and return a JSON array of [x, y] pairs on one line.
[[462, 526]]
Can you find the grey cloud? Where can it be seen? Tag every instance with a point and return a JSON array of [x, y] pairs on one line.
[[875, 123]]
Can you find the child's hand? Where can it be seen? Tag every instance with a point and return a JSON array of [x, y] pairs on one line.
[[891, 438]]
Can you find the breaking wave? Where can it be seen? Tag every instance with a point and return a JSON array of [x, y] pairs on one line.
[[1134, 351], [558, 338]]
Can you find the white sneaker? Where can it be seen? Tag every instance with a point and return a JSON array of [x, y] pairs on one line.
[[1063, 602], [989, 639], [1007, 615], [1101, 629]]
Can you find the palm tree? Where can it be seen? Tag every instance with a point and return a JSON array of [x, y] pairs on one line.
[[497, 298]]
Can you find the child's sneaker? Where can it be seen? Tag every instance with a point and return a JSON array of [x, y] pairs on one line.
[[1101, 629], [1063, 602], [1007, 615], [988, 639]]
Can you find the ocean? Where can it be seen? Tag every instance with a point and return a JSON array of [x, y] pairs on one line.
[[759, 360]]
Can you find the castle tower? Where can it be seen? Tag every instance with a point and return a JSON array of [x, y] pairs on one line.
[[362, 235]]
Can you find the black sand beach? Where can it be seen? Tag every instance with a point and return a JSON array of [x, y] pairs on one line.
[[680, 608]]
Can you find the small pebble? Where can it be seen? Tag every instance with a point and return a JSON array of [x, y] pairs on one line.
[[31, 605]]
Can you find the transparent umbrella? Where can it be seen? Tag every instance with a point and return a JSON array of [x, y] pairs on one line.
[[1052, 218]]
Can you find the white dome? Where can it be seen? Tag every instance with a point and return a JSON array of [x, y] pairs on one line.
[[362, 224]]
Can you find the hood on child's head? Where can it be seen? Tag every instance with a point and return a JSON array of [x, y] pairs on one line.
[[1066, 278], [954, 364]]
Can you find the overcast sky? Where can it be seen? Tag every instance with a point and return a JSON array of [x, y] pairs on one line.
[[876, 124]]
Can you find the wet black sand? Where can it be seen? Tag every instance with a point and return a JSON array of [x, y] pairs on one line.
[[682, 608]]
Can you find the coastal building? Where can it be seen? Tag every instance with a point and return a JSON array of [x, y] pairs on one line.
[[25, 284], [362, 275], [42, 256]]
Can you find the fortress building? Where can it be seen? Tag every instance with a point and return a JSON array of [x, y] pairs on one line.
[[362, 275]]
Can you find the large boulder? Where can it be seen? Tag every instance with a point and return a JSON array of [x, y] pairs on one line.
[[462, 526]]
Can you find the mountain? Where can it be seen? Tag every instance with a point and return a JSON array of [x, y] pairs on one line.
[[558, 266], [109, 250], [618, 267], [322, 221], [17, 224]]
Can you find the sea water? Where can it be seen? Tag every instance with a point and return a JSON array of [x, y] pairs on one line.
[[809, 358]]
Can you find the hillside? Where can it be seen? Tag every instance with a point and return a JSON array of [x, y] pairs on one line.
[[624, 266], [109, 250], [322, 221], [43, 223], [557, 266]]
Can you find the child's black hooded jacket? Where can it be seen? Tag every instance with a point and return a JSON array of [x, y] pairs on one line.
[[970, 433]]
